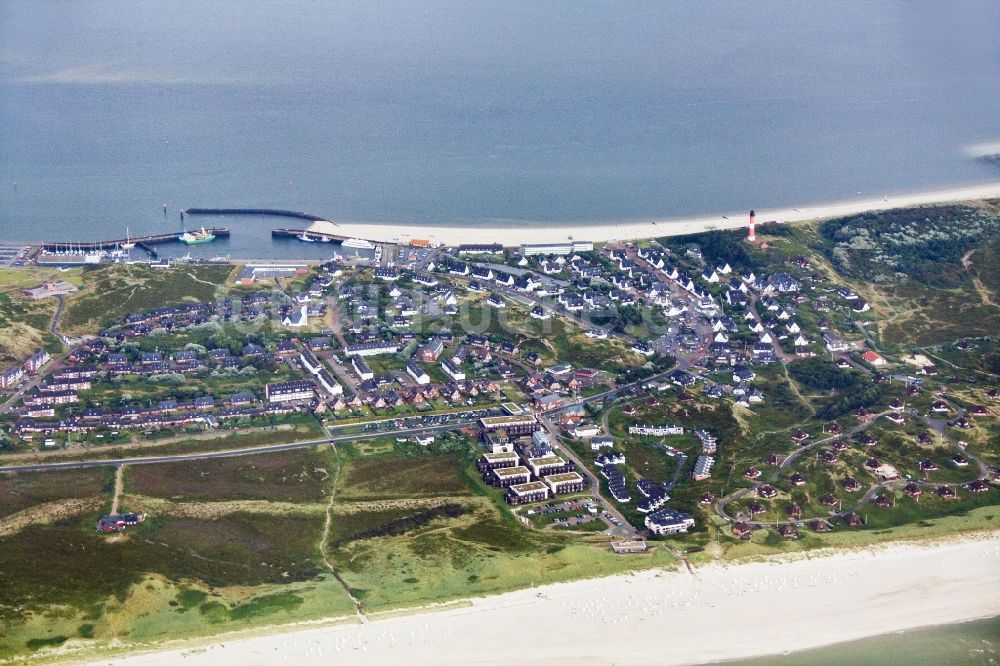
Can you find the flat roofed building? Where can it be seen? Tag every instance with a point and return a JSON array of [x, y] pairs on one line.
[[372, 348], [655, 430], [632, 546], [47, 289], [514, 425], [251, 273], [490, 461], [507, 476], [567, 482], [524, 493], [289, 391], [512, 409], [547, 465], [497, 441], [586, 431], [531, 249], [480, 248]]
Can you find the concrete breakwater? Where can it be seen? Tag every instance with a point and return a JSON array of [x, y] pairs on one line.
[[273, 212]]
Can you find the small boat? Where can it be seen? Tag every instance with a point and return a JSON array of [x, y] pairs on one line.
[[305, 238], [200, 236], [324, 239], [128, 244]]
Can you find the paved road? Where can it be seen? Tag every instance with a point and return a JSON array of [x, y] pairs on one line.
[[625, 529], [232, 453], [868, 336], [333, 305], [33, 381], [57, 315]]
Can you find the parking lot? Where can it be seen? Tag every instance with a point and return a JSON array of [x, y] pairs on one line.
[[409, 422], [13, 255]]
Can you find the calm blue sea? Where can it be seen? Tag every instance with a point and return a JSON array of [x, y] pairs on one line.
[[448, 112]]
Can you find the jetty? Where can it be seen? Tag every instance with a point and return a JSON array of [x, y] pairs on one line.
[[142, 242], [281, 232], [273, 212]]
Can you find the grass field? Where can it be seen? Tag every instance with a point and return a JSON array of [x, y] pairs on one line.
[[394, 552], [291, 476], [113, 291], [558, 341], [20, 491], [169, 578], [24, 323], [387, 477], [407, 527]]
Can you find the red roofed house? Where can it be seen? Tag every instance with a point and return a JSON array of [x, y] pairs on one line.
[[872, 358]]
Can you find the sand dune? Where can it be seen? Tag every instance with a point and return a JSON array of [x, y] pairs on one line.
[[542, 232], [656, 617]]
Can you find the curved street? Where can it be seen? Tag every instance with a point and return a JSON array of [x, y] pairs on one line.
[[720, 507]]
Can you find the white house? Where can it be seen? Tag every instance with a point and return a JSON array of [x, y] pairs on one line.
[[453, 370], [601, 442], [301, 319], [418, 374], [585, 431]]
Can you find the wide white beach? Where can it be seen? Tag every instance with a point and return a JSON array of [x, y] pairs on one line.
[[520, 232], [656, 617]]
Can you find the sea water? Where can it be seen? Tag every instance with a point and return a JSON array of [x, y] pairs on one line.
[[472, 113]]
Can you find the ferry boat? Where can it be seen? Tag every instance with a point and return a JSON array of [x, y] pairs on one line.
[[200, 236], [358, 243]]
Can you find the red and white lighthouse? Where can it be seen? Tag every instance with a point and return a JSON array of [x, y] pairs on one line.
[[752, 236]]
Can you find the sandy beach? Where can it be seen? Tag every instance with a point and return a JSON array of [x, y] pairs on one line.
[[655, 617], [541, 232]]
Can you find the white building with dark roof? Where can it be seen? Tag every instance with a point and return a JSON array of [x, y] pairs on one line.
[[418, 373], [290, 391], [669, 521]]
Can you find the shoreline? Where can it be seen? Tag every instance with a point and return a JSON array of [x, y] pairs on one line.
[[817, 599], [622, 230]]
